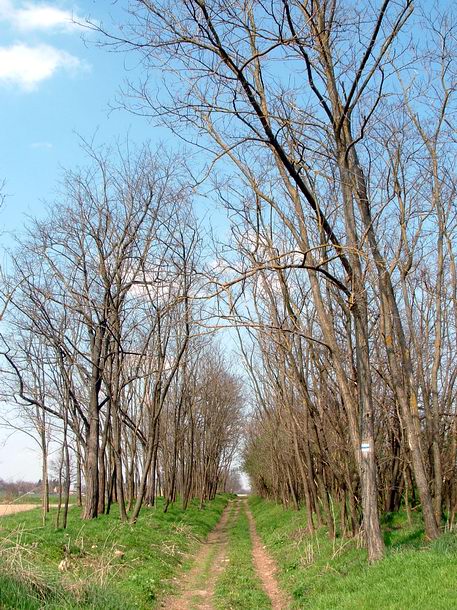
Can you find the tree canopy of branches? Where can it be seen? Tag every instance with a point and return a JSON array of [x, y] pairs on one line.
[[103, 345], [327, 128], [333, 121]]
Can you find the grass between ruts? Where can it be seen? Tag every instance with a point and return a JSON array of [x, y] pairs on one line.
[[238, 587], [108, 564], [334, 575]]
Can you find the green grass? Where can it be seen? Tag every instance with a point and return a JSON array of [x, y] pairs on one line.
[[204, 574], [153, 551], [334, 575], [238, 587], [19, 595]]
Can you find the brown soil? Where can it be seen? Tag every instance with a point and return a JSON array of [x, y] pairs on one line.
[[197, 586], [12, 509], [265, 567]]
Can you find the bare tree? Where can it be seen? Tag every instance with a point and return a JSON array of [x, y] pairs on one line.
[[311, 129]]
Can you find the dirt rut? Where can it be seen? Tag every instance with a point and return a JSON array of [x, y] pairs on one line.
[[265, 567], [197, 587]]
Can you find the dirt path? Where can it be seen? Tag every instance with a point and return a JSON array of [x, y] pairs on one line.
[[265, 567], [197, 586]]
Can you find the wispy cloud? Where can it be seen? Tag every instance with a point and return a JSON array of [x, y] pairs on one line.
[[31, 16], [41, 145], [26, 66]]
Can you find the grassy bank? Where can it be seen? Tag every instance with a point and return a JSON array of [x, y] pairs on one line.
[[239, 586], [98, 564], [333, 575]]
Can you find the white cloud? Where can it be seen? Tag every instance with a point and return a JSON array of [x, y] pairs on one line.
[[26, 66], [41, 145], [36, 16]]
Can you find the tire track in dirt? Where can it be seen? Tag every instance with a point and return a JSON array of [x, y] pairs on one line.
[[265, 567], [197, 586]]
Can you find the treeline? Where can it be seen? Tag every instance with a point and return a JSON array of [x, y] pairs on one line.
[[102, 347], [328, 131], [333, 124], [15, 489]]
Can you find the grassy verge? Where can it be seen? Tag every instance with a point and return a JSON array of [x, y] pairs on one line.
[[98, 564], [238, 586], [325, 575]]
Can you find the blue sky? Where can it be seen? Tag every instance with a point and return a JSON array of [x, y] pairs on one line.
[[54, 89]]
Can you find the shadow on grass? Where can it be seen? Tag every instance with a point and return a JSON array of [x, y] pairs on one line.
[[399, 539], [399, 534]]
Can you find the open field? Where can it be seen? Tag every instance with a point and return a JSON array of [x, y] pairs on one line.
[[12, 509], [30, 498]]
